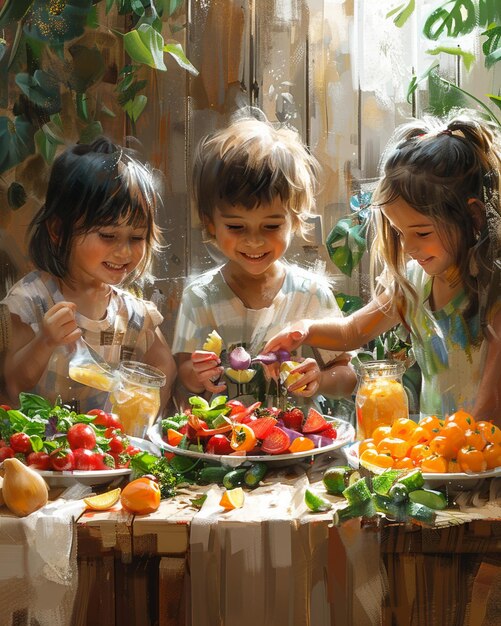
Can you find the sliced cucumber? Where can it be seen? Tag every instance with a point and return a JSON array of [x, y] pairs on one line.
[[336, 479], [420, 513], [361, 509], [433, 499], [358, 492], [398, 493], [412, 480], [382, 484]]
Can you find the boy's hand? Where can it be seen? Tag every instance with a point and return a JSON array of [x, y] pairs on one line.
[[59, 326], [293, 336], [207, 370], [307, 385]]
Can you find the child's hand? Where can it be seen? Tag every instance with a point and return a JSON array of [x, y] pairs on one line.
[[59, 326], [307, 385], [207, 370], [293, 336]]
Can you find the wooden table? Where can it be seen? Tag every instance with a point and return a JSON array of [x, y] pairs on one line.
[[137, 571]]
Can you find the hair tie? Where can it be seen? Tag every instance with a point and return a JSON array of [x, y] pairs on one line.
[[447, 131]]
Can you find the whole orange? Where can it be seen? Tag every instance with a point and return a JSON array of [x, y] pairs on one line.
[[141, 496]]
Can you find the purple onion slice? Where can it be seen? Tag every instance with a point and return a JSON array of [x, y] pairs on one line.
[[239, 358]]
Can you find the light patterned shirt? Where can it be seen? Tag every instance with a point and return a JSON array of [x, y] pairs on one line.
[[126, 332], [449, 349], [209, 304]]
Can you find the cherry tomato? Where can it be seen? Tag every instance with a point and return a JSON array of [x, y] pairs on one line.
[[405, 463], [402, 428], [398, 448], [301, 444], [471, 460], [380, 433], [114, 421], [475, 439], [492, 455], [38, 460], [435, 464], [5, 407], [6, 453], [81, 436], [373, 457], [463, 419], [219, 444], [20, 442], [132, 450], [102, 418], [419, 452], [443, 447], [432, 424], [419, 435], [85, 459], [62, 459], [366, 444], [118, 444], [491, 432]]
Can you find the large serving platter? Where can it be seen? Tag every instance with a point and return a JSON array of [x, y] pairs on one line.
[[95, 477], [457, 481], [345, 435]]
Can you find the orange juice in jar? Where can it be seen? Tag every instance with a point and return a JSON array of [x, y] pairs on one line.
[[137, 399], [381, 398]]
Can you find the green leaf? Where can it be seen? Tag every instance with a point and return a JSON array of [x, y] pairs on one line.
[[198, 402], [56, 27], [91, 131], [467, 57], [46, 145], [492, 58], [16, 141], [176, 50], [348, 304], [343, 259], [13, 11], [460, 20], [36, 443], [135, 107], [16, 196], [109, 5], [415, 81], [489, 11], [145, 45], [107, 111], [404, 12], [42, 89], [495, 99], [81, 103], [493, 39]]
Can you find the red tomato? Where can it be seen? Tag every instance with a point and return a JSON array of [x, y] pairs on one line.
[[118, 444], [38, 460], [62, 459], [114, 421], [102, 418], [262, 426], [6, 453], [219, 444], [277, 441], [81, 436], [5, 407], [85, 459], [20, 442], [132, 450], [315, 422]]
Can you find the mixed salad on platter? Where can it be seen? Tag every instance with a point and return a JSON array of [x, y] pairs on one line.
[[229, 427]]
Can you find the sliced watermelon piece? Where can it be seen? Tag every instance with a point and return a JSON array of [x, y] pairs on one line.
[[262, 426], [315, 422], [277, 441]]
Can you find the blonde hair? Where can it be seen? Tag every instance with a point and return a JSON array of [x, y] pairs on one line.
[[437, 167], [250, 163]]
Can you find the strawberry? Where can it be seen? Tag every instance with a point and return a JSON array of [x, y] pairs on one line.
[[293, 419], [330, 432]]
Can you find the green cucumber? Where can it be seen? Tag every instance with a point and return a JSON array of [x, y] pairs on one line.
[[358, 492], [412, 480], [234, 478], [361, 509], [398, 492], [385, 505], [255, 474], [210, 475], [382, 484], [219, 421], [433, 499], [420, 513]]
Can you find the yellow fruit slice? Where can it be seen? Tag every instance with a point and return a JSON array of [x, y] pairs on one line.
[[233, 499], [240, 376], [103, 501], [213, 343], [286, 378]]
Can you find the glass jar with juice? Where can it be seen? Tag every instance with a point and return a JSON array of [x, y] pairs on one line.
[[136, 400], [381, 398]]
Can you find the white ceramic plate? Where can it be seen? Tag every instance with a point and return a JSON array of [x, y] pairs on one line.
[[457, 481], [95, 477], [345, 435]]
